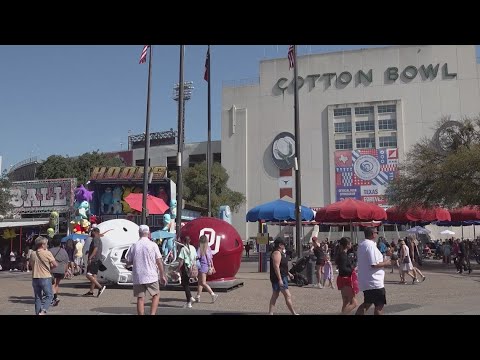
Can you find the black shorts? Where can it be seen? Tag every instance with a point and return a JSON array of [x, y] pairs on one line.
[[376, 297], [92, 268], [58, 276]]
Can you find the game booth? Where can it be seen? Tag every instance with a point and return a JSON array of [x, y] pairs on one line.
[[112, 185]]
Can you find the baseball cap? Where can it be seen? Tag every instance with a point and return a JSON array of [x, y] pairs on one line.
[[144, 228]]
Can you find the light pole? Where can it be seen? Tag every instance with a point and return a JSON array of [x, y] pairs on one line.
[[187, 94]]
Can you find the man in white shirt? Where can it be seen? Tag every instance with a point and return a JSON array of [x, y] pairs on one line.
[[146, 259], [371, 273]]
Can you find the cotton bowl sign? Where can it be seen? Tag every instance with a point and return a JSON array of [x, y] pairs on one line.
[[42, 196]]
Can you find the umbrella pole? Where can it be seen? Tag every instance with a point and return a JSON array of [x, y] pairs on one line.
[[20, 240], [351, 231]]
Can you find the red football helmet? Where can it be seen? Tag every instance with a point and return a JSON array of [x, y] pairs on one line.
[[224, 241]]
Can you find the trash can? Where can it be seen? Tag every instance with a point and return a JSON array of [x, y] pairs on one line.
[[310, 271]]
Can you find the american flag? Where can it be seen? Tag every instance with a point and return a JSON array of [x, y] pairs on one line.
[[206, 76], [143, 57], [291, 56]]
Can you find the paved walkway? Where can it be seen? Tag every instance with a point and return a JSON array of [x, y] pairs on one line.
[[443, 292]]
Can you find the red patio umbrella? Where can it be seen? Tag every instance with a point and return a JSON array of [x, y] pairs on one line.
[[465, 213], [155, 205], [350, 210], [394, 214]]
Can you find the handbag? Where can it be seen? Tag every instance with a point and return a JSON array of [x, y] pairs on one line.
[[211, 268], [192, 271], [406, 260]]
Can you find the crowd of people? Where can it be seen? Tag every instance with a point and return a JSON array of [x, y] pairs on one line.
[[362, 267]]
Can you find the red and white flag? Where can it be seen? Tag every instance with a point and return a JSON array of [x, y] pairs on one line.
[[291, 56], [206, 75], [143, 57]]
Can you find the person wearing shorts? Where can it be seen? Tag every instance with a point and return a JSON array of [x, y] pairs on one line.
[[279, 276], [371, 274], [94, 260], [147, 262]]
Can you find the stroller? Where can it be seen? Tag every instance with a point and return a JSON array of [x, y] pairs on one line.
[[297, 268]]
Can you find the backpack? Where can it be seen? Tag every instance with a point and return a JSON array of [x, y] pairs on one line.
[[192, 271]]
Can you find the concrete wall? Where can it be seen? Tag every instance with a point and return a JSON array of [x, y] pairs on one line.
[[159, 154]]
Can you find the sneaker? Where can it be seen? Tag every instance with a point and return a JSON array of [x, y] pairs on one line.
[[188, 305], [90, 293], [55, 302], [414, 281], [197, 298], [100, 291], [214, 297], [193, 300], [424, 277]]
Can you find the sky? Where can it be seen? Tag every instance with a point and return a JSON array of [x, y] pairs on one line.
[[67, 100]]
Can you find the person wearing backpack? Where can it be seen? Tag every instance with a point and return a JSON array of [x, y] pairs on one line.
[[58, 273], [188, 268]]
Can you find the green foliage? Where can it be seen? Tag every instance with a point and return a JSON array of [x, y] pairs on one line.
[[57, 167], [443, 172], [5, 196], [195, 187]]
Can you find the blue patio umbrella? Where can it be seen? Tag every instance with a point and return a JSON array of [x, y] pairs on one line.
[[74, 237], [278, 210], [161, 234]]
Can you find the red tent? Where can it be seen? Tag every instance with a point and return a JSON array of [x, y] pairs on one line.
[[394, 214], [465, 213], [350, 210]]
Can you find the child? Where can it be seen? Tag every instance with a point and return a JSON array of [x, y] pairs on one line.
[[328, 272]]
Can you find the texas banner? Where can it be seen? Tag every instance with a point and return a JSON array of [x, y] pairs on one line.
[[364, 174]]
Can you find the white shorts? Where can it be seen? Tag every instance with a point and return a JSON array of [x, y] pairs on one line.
[[78, 261]]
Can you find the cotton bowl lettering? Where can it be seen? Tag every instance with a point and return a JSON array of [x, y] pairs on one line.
[[224, 241]]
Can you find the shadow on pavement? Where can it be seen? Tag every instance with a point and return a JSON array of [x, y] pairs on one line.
[[22, 299]]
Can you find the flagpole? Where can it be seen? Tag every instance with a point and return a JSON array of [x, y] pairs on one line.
[[147, 142], [209, 141], [180, 143], [298, 184]]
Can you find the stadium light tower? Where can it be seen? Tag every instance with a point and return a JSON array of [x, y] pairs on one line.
[[187, 94]]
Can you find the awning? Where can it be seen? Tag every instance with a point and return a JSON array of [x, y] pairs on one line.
[[8, 224]]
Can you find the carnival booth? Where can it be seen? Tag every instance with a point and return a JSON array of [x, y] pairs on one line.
[[115, 187]]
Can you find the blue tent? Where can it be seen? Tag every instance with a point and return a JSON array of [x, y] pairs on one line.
[[161, 234], [278, 210], [74, 237]]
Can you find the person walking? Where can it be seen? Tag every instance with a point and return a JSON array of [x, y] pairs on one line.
[[347, 281], [94, 262], [147, 263], [247, 249], [58, 273], [279, 276], [205, 257], [371, 274], [42, 261], [320, 261], [186, 259]]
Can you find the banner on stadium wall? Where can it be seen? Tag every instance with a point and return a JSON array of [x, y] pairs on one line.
[[364, 174]]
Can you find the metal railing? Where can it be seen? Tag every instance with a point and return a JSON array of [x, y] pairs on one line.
[[23, 163]]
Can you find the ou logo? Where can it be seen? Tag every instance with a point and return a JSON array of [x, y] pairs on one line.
[[213, 238]]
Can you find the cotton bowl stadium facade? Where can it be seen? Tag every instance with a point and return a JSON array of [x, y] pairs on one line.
[[360, 112]]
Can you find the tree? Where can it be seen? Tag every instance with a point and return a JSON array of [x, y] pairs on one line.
[[195, 187], [5, 196], [57, 167], [444, 170]]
